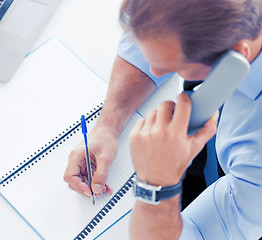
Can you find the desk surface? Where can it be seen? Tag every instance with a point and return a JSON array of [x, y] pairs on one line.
[[91, 30]]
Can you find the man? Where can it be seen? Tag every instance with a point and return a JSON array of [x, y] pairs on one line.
[[186, 37]]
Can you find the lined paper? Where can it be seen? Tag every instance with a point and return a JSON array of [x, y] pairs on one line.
[[47, 96], [49, 92], [42, 197]]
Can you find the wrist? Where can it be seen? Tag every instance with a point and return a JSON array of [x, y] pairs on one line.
[[167, 207], [162, 221], [109, 127], [155, 179], [154, 194]]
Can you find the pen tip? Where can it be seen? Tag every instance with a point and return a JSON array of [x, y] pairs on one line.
[[93, 200]]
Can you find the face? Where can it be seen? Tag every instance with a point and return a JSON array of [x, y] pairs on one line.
[[165, 55]]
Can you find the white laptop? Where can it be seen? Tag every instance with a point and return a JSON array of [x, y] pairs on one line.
[[21, 22]]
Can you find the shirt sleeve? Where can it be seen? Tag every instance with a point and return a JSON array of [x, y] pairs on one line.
[[129, 51], [202, 219], [228, 209], [231, 207]]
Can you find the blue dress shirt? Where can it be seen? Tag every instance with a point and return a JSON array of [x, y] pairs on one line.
[[129, 51], [231, 208]]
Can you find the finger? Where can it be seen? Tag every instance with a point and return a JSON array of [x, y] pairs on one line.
[[74, 178], [86, 194], [108, 190], [182, 113], [138, 126], [165, 112], [99, 195], [76, 163], [204, 134], [150, 119], [100, 175], [83, 187], [71, 171]]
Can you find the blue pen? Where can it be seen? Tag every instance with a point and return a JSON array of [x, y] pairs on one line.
[[88, 162]]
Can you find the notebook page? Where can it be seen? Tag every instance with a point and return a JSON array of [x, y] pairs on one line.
[[41, 196], [100, 232], [49, 92]]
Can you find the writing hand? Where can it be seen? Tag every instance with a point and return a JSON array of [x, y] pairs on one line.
[[102, 149]]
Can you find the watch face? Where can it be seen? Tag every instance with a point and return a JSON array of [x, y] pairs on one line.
[[144, 193], [154, 194]]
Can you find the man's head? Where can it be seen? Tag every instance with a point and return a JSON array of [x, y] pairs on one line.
[[205, 28]]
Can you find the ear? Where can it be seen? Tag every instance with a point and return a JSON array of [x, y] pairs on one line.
[[243, 48]]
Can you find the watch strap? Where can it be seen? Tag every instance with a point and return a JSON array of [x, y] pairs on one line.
[[154, 194], [169, 192]]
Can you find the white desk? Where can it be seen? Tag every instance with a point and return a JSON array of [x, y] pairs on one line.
[[91, 30]]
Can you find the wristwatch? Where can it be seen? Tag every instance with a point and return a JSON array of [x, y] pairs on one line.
[[154, 194]]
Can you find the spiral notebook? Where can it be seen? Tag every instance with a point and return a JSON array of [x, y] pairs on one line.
[[34, 184]]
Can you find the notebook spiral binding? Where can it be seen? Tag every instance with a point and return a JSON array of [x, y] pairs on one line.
[[110, 204], [53, 144]]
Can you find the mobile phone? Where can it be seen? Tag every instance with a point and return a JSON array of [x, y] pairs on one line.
[[226, 75]]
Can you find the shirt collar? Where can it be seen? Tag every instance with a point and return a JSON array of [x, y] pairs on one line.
[[252, 84]]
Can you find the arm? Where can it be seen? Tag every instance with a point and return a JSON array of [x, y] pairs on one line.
[[130, 84], [228, 209], [161, 151], [156, 222], [128, 89]]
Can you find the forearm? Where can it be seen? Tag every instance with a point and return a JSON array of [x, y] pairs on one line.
[[162, 221], [128, 89]]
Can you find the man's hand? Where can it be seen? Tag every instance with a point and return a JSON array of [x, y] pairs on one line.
[[103, 149], [161, 151], [160, 147]]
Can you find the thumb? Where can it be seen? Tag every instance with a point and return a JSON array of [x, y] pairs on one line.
[[100, 177], [206, 133]]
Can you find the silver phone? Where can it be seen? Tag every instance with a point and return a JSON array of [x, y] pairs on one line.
[[226, 75]]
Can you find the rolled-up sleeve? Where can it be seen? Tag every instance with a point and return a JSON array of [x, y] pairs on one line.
[[129, 51]]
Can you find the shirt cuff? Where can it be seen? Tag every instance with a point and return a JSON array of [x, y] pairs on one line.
[[130, 52]]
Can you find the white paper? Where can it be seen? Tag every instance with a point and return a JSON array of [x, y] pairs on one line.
[[41, 196], [49, 92]]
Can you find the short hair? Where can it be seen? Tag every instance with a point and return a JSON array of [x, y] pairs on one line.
[[206, 28]]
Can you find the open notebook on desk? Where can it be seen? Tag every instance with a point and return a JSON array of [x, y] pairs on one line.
[[41, 109], [49, 92]]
